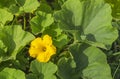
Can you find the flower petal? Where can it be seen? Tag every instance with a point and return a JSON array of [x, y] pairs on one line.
[[47, 40], [51, 49], [33, 52], [43, 57], [42, 49], [36, 42]]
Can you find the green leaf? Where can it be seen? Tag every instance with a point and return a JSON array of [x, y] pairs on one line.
[[40, 22], [21, 2], [14, 38], [68, 16], [61, 2], [9, 73], [6, 3], [2, 46], [92, 18], [21, 62], [3, 50], [97, 62], [14, 9], [61, 40], [71, 68], [5, 16], [29, 5], [54, 30], [43, 70], [45, 8], [91, 62], [31, 76], [115, 8], [66, 68]]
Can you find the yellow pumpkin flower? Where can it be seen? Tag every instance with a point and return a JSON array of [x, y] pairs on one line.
[[42, 48]]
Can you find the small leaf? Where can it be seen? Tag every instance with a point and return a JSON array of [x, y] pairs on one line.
[[43, 70], [53, 30], [29, 5], [45, 8], [61, 40], [9, 73], [5, 16], [6, 3], [40, 22], [14, 9]]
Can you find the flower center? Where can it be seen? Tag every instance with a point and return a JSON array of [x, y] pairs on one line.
[[44, 49]]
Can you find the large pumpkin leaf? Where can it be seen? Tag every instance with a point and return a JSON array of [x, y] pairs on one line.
[[71, 68], [70, 16], [43, 70], [87, 62], [5, 16], [90, 62], [9, 73], [91, 18], [14, 38], [97, 62]]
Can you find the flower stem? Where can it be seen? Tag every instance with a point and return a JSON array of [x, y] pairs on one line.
[[116, 70], [24, 26]]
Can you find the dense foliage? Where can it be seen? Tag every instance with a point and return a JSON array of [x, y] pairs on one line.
[[84, 33]]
